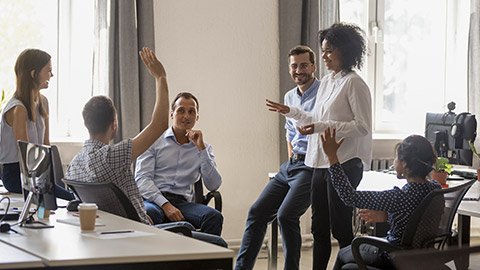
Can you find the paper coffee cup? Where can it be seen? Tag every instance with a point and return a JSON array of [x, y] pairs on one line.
[[88, 215]]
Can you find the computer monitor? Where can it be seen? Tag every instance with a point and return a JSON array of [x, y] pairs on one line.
[[449, 134], [37, 177]]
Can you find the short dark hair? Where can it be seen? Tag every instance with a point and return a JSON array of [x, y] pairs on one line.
[[418, 154], [98, 114], [301, 49], [185, 95], [349, 40]]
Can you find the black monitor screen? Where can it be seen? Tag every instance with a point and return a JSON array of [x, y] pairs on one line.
[[438, 130], [37, 173]]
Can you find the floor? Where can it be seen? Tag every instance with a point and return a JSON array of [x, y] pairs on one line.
[[306, 259]]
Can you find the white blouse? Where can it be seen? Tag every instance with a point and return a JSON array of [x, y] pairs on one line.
[[343, 102]]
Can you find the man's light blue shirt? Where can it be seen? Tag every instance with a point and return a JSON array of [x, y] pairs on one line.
[[305, 102], [168, 166]]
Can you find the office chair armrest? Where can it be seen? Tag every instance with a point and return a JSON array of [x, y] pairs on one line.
[[381, 243], [184, 230], [439, 241], [217, 199]]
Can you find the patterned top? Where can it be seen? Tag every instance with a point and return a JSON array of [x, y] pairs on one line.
[[399, 203], [98, 162]]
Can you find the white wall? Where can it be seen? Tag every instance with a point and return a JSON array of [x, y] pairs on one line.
[[226, 53]]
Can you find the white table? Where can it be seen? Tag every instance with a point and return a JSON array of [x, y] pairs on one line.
[[66, 245], [466, 210], [11, 257]]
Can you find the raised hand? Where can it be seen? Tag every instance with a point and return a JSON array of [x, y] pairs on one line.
[[152, 63], [277, 107], [330, 145], [196, 137], [372, 216]]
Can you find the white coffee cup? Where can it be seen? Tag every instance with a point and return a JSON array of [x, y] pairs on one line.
[[88, 215]]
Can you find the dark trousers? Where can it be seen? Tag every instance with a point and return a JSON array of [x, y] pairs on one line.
[[11, 181], [287, 197], [330, 214], [202, 217]]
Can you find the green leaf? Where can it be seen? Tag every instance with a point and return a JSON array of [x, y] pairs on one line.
[[474, 150]]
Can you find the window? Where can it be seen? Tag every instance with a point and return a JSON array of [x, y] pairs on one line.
[[64, 29], [416, 59]]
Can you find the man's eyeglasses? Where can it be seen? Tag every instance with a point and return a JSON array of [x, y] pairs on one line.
[[302, 66]]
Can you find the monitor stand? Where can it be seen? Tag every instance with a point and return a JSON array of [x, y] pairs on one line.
[[27, 222]]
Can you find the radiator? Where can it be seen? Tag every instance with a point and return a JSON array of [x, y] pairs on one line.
[[381, 164]]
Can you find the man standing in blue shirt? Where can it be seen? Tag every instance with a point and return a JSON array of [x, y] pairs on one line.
[[166, 172], [287, 195]]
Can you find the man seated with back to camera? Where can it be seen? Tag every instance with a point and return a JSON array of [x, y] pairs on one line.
[[100, 162], [167, 171]]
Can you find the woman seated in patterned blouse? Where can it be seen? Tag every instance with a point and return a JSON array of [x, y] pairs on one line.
[[414, 161]]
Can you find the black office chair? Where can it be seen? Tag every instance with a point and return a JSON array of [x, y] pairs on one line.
[[205, 199], [429, 226], [111, 199], [434, 259]]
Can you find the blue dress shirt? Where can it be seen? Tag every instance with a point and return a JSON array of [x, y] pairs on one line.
[[168, 166], [306, 102]]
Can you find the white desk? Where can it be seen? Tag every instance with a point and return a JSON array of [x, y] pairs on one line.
[[66, 245], [11, 257], [466, 210]]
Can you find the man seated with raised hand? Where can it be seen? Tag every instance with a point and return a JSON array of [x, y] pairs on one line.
[[99, 161], [166, 172]]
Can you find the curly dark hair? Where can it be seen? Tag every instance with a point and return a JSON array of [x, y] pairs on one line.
[[349, 39], [418, 154]]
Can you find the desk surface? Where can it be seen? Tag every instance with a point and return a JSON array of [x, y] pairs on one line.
[[11, 257], [471, 208], [66, 245], [381, 181]]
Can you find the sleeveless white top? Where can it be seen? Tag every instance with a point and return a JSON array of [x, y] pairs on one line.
[[35, 131]]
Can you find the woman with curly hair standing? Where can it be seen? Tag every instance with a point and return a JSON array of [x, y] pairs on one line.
[[344, 103]]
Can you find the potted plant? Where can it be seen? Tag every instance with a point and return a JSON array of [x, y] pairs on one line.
[[474, 150], [442, 170], [4, 98]]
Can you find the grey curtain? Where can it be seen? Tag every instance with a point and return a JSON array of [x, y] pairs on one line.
[[474, 65], [299, 23], [130, 85]]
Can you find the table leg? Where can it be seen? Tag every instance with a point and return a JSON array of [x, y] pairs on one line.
[[463, 230]]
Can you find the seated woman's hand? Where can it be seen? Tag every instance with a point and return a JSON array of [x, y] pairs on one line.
[[372, 216], [330, 145]]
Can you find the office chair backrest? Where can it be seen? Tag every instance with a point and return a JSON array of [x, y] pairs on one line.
[[57, 166], [107, 196], [430, 224], [200, 197]]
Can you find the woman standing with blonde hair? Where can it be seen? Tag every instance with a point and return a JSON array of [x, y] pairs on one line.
[[25, 116]]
